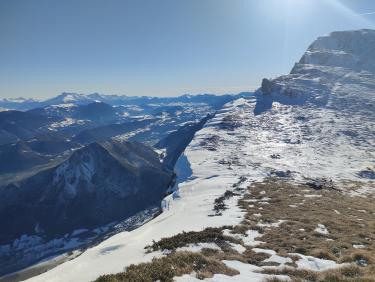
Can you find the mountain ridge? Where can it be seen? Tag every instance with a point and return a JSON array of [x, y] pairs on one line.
[[83, 99]]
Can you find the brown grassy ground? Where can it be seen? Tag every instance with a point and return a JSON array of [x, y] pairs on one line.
[[351, 273], [350, 222]]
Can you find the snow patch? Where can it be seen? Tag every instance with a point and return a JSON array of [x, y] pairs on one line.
[[321, 229], [195, 248], [315, 264]]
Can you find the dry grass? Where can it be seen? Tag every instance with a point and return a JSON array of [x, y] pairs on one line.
[[350, 273], [275, 279], [350, 222], [249, 256], [165, 268]]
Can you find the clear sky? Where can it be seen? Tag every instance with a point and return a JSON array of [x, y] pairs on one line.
[[160, 47]]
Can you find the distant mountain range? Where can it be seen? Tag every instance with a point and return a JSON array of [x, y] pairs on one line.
[[84, 99]]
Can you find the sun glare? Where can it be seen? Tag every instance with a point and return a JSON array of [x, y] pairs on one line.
[[296, 10]]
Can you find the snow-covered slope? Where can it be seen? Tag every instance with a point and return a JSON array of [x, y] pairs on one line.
[[317, 122]]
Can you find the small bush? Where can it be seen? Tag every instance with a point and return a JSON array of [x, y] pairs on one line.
[[208, 235], [323, 254], [219, 204], [274, 279], [351, 271]]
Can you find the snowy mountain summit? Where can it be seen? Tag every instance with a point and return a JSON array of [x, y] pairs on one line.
[[335, 70], [347, 49]]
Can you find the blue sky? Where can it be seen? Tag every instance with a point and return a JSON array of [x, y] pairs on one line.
[[160, 47]]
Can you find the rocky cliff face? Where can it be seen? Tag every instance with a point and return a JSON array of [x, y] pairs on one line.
[[337, 71], [349, 49]]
